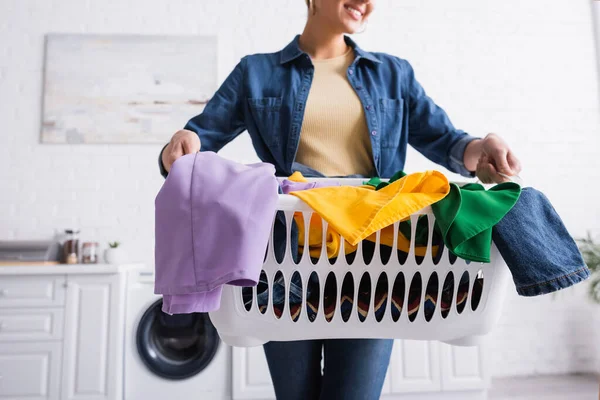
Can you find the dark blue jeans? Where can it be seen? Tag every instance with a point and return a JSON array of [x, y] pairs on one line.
[[353, 368]]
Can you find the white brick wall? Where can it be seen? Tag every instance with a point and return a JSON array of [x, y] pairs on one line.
[[522, 69]]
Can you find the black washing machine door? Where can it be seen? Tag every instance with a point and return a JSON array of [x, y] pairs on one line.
[[176, 346]]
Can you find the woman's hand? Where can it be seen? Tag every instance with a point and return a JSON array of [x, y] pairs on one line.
[[183, 142], [491, 159], [497, 162]]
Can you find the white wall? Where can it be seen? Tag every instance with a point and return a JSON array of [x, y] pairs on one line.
[[523, 69]]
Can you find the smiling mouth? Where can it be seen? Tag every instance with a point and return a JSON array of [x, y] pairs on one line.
[[357, 14]]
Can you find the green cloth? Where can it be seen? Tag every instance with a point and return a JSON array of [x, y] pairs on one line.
[[464, 218], [467, 214], [373, 182]]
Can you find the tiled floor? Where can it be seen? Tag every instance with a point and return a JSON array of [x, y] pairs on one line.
[[562, 387]]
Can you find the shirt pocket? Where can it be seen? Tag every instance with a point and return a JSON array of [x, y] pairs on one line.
[[391, 114], [266, 112]]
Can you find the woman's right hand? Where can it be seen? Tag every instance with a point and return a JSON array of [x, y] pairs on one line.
[[183, 142]]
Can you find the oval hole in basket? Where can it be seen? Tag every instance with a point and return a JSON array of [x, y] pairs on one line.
[[347, 297], [315, 240], [402, 257], [295, 296], [350, 257], [247, 297], [431, 296], [334, 257], [414, 297], [398, 296], [364, 297], [447, 294], [463, 292], [280, 237], [451, 257], [368, 251], [437, 249], [330, 296], [404, 233], [313, 296], [421, 239], [262, 292], [477, 290], [278, 294], [381, 296], [385, 251]]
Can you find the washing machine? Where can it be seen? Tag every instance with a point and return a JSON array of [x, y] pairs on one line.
[[170, 356]]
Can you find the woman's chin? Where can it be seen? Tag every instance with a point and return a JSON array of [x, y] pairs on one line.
[[352, 28]]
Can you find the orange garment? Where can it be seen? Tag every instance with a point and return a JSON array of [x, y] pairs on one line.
[[357, 213]]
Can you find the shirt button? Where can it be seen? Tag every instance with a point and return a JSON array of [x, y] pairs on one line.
[[369, 107], [374, 133], [350, 71]]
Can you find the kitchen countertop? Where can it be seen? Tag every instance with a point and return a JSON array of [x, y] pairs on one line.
[[67, 269]]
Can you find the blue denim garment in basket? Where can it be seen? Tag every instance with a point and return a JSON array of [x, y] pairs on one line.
[[539, 251]]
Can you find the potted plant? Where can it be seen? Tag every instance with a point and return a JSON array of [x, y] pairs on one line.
[[591, 255], [114, 253]]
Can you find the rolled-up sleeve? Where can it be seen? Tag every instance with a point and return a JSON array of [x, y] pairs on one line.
[[457, 157], [431, 132]]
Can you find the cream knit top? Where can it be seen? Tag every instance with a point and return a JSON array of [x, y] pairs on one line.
[[334, 139]]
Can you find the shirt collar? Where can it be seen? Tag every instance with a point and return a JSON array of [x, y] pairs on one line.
[[293, 51]]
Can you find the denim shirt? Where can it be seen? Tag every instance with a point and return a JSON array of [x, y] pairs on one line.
[[266, 95]]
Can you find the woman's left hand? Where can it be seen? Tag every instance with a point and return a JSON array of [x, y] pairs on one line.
[[497, 162]]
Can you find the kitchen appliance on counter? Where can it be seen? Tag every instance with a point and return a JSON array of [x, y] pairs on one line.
[[15, 252]]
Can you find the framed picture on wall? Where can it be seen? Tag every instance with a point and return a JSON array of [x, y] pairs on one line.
[[124, 88]]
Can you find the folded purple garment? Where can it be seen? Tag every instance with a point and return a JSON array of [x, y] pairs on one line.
[[288, 186], [213, 218]]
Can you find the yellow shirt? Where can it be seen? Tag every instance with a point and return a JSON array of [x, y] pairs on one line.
[[357, 213], [334, 139]]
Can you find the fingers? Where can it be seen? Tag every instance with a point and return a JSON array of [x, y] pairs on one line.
[[487, 172], [500, 161], [171, 153], [483, 170], [188, 140], [183, 142], [190, 144], [514, 162]]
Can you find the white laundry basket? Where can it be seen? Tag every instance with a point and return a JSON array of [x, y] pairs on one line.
[[239, 326]]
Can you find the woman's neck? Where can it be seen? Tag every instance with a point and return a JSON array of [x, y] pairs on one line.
[[320, 43]]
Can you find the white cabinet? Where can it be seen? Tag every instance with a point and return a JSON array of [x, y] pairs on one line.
[[21, 325], [29, 371], [414, 367], [90, 368], [250, 375], [32, 291], [61, 332], [422, 370], [463, 368], [419, 370]]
